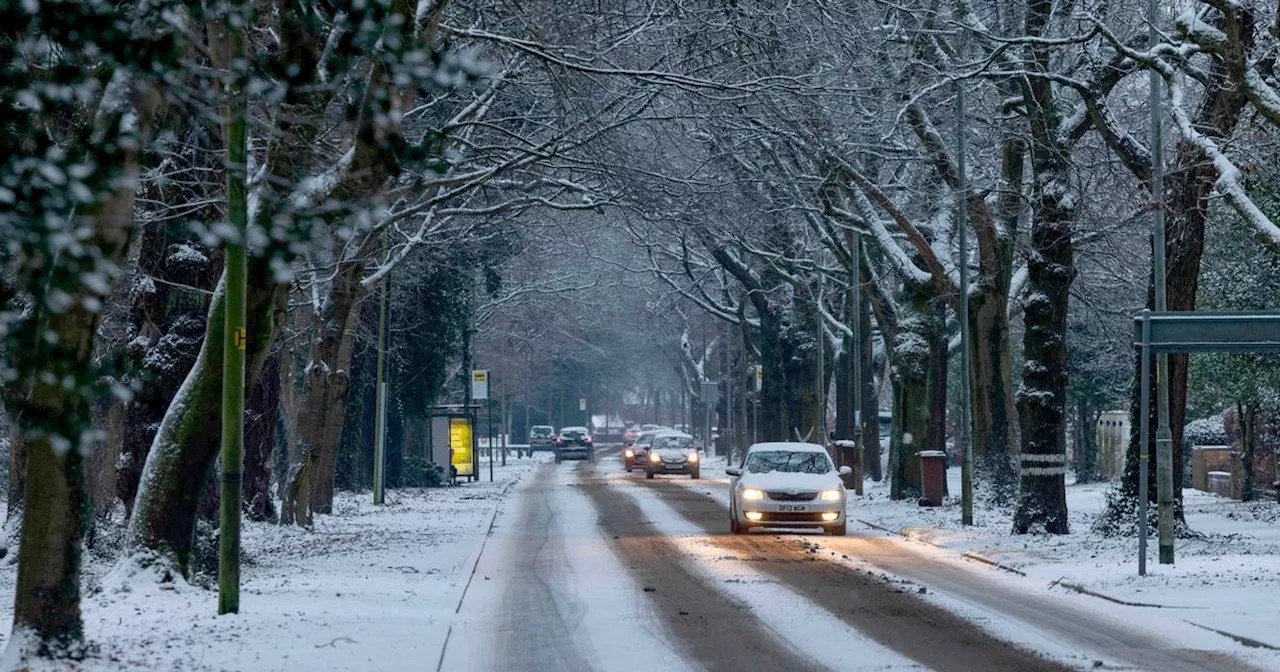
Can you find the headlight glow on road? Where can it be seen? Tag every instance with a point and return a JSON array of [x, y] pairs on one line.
[[830, 495], [752, 494], [754, 515]]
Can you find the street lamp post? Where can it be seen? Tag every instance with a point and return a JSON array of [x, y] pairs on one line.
[[1164, 436], [962, 432]]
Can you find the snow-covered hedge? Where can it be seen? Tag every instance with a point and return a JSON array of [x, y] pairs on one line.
[[1207, 432]]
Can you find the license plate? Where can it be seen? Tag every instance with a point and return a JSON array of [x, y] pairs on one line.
[[792, 508]]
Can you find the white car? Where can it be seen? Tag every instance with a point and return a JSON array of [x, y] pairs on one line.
[[787, 485]]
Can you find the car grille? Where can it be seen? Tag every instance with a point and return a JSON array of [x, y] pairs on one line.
[[784, 496]]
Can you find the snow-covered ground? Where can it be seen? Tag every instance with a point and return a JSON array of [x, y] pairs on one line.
[[368, 588], [1225, 578]]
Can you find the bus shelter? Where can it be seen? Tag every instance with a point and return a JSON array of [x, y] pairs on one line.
[[452, 444]]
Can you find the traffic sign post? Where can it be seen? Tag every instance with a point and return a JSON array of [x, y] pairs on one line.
[[710, 395], [1165, 332]]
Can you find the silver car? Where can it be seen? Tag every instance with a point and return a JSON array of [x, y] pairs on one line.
[[672, 452], [787, 485]]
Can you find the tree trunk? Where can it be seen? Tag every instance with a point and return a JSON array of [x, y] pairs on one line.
[[911, 394], [1086, 442], [1247, 416], [1191, 181], [325, 382], [1042, 502], [16, 494], [56, 509], [870, 402], [188, 441], [262, 413]]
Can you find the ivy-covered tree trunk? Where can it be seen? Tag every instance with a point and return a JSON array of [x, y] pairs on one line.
[[188, 440], [56, 508], [911, 398]]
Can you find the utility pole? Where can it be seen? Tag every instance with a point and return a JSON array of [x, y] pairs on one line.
[[962, 193], [855, 354], [1164, 436], [234, 336], [821, 383], [380, 404]]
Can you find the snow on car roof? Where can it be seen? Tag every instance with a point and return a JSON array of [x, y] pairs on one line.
[[795, 446], [670, 432]]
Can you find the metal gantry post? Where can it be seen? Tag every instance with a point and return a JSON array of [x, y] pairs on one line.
[[1144, 438], [962, 432], [1164, 435]]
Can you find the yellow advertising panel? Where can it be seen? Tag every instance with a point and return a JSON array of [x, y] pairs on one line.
[[460, 445]]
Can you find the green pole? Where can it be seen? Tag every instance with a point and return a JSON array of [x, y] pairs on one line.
[[380, 406], [233, 336]]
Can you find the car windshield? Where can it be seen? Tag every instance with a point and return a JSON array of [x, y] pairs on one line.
[[673, 443], [542, 431], [788, 461], [573, 434]]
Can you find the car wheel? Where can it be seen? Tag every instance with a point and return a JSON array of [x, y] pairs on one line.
[[837, 530], [648, 474]]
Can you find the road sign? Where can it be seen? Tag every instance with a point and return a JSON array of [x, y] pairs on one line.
[[710, 392], [480, 384], [582, 403], [759, 377], [1236, 332]]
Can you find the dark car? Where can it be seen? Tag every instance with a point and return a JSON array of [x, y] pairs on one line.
[[542, 437], [575, 442], [638, 452]]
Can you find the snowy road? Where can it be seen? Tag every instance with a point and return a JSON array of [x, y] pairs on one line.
[[595, 569]]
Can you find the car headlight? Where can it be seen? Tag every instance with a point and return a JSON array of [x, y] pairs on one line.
[[630, 453], [752, 494], [693, 457], [654, 457], [830, 495]]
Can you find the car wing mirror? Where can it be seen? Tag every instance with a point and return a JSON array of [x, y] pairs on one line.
[[733, 471], [845, 471]]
